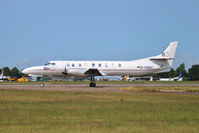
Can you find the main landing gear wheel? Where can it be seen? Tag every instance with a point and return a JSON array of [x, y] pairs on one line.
[[92, 84]]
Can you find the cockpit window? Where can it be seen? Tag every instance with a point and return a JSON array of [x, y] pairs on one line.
[[49, 64]]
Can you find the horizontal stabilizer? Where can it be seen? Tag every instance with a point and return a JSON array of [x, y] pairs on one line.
[[168, 53], [160, 58]]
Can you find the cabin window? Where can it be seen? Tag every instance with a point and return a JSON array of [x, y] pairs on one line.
[[119, 65], [93, 65], [68, 65], [80, 65], [53, 64], [99, 65], [73, 65]]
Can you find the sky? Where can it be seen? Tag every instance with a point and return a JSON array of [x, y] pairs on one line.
[[33, 32]]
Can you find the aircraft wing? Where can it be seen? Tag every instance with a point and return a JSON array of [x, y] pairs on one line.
[[93, 72]]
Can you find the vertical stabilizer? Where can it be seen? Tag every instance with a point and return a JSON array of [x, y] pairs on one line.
[[170, 51], [180, 74], [166, 58]]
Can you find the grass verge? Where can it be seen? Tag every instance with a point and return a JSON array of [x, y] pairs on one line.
[[168, 89], [37, 111]]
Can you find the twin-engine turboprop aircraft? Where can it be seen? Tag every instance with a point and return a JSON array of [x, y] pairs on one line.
[[155, 64]]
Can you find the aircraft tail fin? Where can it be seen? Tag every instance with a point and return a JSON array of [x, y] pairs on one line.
[[170, 51], [179, 78], [180, 74], [168, 54], [166, 58]]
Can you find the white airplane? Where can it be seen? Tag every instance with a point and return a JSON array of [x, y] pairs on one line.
[[147, 78], [179, 78], [155, 64]]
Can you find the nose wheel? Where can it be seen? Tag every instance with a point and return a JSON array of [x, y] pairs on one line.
[[92, 83]]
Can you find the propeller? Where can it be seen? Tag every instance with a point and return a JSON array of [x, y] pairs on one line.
[[65, 73]]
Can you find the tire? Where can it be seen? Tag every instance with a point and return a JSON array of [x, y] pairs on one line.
[[92, 84], [42, 85]]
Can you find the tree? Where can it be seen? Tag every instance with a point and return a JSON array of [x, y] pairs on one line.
[[182, 69], [172, 73], [6, 71], [165, 74], [0, 70], [194, 72], [14, 72]]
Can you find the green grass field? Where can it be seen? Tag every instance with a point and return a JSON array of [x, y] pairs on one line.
[[37, 111]]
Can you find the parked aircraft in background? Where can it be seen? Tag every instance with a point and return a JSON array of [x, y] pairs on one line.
[[10, 78], [179, 78], [109, 78], [155, 64], [145, 78]]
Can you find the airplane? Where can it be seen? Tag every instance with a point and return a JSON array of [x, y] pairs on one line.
[[179, 78], [145, 78], [155, 64], [110, 78]]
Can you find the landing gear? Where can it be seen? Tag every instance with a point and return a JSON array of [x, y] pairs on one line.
[[42, 85], [92, 83]]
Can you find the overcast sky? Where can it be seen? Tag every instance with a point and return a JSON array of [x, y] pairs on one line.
[[33, 32]]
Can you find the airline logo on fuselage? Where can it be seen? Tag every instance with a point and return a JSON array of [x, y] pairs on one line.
[[46, 68], [49, 69]]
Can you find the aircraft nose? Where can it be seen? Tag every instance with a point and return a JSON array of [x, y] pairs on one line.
[[25, 71], [32, 70]]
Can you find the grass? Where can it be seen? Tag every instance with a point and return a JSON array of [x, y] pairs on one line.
[[168, 89], [36, 111], [101, 82]]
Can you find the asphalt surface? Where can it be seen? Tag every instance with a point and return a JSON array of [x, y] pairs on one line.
[[84, 87], [98, 85]]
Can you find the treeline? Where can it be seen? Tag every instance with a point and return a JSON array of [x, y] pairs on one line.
[[191, 74], [11, 72]]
